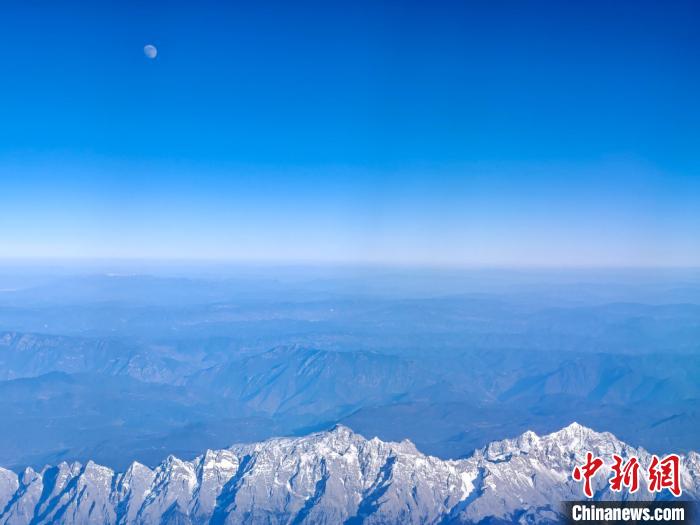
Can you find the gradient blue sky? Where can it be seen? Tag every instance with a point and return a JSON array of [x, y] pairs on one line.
[[473, 133]]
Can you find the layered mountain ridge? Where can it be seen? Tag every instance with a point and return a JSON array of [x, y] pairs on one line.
[[329, 477]]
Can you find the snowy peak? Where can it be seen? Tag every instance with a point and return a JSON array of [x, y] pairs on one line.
[[336, 476], [577, 436], [574, 438]]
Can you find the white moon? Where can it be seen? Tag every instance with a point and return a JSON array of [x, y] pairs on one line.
[[150, 51]]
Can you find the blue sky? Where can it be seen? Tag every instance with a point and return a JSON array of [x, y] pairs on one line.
[[472, 133]]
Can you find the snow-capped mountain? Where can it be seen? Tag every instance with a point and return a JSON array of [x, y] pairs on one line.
[[327, 478]]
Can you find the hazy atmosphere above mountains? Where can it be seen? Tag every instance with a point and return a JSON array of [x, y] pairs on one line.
[[120, 367]]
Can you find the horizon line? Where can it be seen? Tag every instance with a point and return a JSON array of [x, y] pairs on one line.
[[328, 263]]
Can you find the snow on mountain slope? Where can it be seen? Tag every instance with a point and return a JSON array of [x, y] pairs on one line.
[[326, 478]]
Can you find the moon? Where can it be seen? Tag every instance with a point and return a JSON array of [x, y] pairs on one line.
[[150, 51]]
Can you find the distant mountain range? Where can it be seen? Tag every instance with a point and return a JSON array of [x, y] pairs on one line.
[[198, 394], [329, 477]]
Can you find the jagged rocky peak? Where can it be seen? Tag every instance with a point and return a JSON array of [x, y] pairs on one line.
[[9, 483], [576, 434], [336, 476], [574, 438]]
